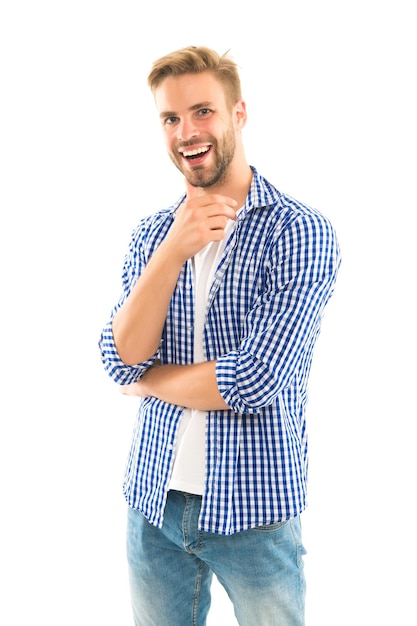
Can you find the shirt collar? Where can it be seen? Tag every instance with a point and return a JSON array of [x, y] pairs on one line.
[[261, 194]]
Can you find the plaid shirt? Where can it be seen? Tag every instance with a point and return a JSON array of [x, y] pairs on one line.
[[266, 302]]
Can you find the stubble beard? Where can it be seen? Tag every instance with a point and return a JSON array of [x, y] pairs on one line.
[[217, 174]]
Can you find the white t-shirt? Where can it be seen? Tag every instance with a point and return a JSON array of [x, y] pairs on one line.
[[190, 448]]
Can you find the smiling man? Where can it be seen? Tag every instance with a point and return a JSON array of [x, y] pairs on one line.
[[223, 296]]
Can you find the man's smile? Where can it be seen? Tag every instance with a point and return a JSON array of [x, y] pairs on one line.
[[192, 153]]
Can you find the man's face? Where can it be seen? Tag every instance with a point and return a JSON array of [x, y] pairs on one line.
[[198, 127]]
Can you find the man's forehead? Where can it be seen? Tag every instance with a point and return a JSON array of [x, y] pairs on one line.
[[189, 92]]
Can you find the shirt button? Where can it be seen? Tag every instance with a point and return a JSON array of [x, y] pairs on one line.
[[190, 329]]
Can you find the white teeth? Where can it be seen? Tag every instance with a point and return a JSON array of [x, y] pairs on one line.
[[188, 153]]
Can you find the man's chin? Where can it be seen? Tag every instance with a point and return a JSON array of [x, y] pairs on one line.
[[201, 178]]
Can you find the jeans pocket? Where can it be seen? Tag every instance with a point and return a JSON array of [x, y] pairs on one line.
[[271, 527]]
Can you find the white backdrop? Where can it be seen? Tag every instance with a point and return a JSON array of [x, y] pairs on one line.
[[330, 96]]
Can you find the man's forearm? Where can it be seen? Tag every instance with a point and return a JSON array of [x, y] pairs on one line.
[[192, 386], [137, 326]]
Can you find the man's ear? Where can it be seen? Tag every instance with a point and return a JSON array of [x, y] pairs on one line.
[[240, 115]]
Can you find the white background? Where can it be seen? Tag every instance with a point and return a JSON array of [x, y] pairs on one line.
[[330, 96]]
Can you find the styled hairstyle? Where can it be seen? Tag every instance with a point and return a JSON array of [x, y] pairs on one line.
[[196, 59]]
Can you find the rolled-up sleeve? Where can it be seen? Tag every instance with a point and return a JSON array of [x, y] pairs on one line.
[[281, 328], [243, 382], [118, 371]]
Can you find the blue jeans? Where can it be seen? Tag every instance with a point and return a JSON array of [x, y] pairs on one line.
[[171, 569]]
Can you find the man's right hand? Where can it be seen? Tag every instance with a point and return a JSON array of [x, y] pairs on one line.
[[202, 218]]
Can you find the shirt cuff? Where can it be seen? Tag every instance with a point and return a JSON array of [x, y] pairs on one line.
[[114, 366], [245, 383]]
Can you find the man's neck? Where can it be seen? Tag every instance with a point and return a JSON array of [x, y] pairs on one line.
[[237, 184]]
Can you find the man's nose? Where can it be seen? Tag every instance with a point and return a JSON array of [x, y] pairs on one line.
[[186, 130]]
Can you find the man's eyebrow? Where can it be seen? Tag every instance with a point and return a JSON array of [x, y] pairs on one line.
[[164, 114], [202, 105], [199, 105]]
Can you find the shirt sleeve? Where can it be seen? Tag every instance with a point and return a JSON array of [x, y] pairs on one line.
[[281, 328]]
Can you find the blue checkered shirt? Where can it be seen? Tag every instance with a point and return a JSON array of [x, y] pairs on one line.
[[265, 307]]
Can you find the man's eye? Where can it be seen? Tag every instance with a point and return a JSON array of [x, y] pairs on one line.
[[204, 112], [170, 120]]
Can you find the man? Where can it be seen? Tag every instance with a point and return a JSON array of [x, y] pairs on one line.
[[223, 295]]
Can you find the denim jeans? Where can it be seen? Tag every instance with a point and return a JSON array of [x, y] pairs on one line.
[[170, 569]]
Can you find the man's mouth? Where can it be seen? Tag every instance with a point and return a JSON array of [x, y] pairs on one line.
[[194, 153]]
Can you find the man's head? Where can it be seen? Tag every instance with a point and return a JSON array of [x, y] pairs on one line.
[[198, 96]]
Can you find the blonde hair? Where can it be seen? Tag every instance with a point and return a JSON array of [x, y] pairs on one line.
[[194, 60]]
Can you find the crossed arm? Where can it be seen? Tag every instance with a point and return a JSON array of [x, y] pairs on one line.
[[138, 325], [192, 386]]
